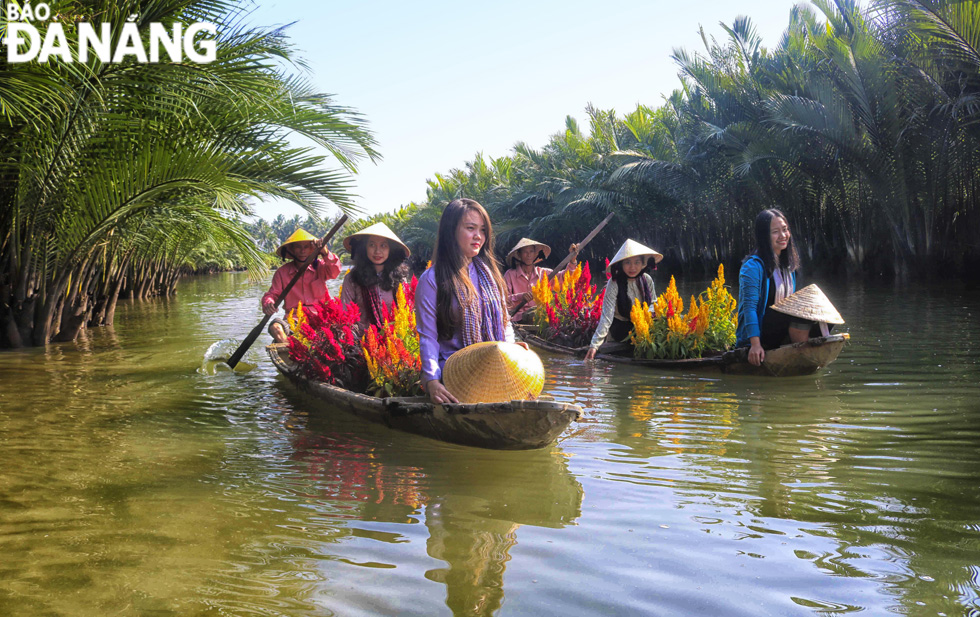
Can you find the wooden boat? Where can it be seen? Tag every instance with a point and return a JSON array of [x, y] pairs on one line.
[[515, 425], [804, 358]]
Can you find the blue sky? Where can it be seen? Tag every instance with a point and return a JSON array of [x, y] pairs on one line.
[[441, 81]]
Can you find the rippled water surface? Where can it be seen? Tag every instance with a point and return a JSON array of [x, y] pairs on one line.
[[136, 479]]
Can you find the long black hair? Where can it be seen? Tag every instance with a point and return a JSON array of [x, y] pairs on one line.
[[363, 273], [450, 267], [789, 259], [623, 306]]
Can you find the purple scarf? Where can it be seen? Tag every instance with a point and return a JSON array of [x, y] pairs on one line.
[[486, 321]]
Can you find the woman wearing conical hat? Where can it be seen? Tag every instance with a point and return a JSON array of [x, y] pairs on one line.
[[630, 281], [310, 287], [524, 273], [767, 276], [379, 267]]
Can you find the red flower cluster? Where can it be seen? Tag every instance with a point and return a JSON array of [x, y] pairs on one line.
[[325, 343]]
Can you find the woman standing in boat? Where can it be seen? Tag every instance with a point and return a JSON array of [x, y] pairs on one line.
[[767, 276], [379, 267], [460, 299], [524, 273], [630, 281]]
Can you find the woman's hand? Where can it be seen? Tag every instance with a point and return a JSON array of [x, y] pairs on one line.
[[590, 354], [756, 353], [438, 393], [528, 296], [524, 345]]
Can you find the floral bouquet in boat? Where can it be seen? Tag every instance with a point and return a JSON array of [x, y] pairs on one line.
[[667, 332], [568, 307], [325, 343], [392, 351], [328, 346]]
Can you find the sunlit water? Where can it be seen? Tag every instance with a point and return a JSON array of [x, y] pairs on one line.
[[139, 477]]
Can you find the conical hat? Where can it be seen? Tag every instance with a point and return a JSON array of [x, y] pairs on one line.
[[632, 248], [300, 235], [527, 242], [378, 229], [493, 372], [809, 303]]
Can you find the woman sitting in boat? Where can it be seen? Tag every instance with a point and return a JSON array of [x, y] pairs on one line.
[[379, 267], [767, 276], [310, 287], [460, 299], [630, 281], [524, 273]]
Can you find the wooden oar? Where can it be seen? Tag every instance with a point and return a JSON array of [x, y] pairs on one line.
[[257, 330], [568, 258]]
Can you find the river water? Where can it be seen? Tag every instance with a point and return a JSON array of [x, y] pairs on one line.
[[135, 479]]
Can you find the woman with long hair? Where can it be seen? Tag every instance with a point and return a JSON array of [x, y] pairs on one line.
[[379, 267], [460, 300], [767, 276], [630, 280]]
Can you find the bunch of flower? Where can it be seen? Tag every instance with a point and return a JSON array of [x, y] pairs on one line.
[[392, 351], [568, 307], [721, 309], [325, 343], [667, 332]]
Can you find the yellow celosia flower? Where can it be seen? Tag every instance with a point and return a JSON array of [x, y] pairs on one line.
[[296, 318], [642, 321], [541, 291], [677, 325]]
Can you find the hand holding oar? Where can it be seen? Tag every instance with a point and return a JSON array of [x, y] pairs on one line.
[[257, 330], [568, 258]]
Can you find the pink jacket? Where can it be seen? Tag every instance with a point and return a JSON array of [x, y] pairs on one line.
[[309, 288]]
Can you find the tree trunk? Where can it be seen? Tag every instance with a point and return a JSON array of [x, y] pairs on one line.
[[45, 311], [110, 311], [9, 332]]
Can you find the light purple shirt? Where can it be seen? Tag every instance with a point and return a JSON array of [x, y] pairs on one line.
[[433, 350]]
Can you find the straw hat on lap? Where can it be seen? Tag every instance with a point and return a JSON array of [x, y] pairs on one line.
[[809, 303], [493, 372]]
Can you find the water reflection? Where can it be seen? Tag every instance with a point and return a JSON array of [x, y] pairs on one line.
[[473, 503]]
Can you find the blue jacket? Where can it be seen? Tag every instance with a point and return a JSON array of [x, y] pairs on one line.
[[753, 291]]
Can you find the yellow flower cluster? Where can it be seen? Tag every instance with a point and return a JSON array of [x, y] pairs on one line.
[[669, 303], [404, 322], [541, 291], [295, 319], [642, 320], [666, 332], [548, 292]]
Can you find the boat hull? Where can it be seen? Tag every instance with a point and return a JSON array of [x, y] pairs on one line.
[[805, 358], [514, 425]]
